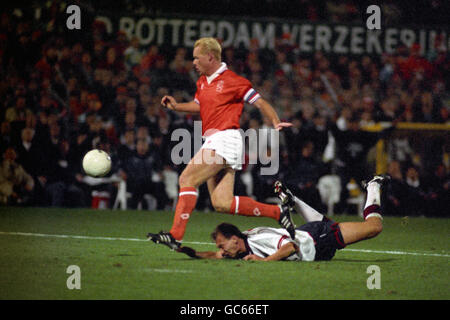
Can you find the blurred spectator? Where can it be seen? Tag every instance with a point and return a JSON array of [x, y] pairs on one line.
[[414, 66], [102, 93], [47, 104], [46, 63], [319, 133], [142, 171], [18, 111], [295, 138], [5, 135], [149, 59], [16, 185], [160, 74], [389, 111], [397, 193], [181, 66], [340, 11], [133, 54], [428, 111], [416, 202], [438, 194], [262, 184], [352, 147], [143, 134], [304, 175], [399, 148], [127, 145], [54, 172], [85, 69], [129, 122], [80, 144], [150, 118], [29, 152], [111, 61], [344, 118]]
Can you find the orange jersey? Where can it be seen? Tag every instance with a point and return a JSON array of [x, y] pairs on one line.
[[222, 100]]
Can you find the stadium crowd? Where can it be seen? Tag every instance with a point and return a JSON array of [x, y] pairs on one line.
[[63, 95]]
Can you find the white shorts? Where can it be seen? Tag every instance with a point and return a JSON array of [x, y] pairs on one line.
[[229, 145]]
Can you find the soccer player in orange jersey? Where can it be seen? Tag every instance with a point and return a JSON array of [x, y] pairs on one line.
[[219, 99]]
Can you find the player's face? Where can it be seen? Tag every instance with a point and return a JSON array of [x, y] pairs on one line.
[[201, 61], [228, 247]]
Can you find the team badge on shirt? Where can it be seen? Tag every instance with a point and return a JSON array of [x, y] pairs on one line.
[[219, 87]]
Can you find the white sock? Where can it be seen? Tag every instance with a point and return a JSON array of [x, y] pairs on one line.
[[373, 199], [373, 195], [307, 212]]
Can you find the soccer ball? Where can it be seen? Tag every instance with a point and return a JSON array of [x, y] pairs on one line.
[[96, 163]]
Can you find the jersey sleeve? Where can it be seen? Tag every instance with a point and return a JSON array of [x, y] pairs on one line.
[[266, 241], [198, 84], [251, 96], [196, 99], [284, 240], [247, 93]]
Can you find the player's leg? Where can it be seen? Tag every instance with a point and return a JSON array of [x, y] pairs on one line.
[[204, 165], [306, 211], [220, 188], [223, 199], [356, 231]]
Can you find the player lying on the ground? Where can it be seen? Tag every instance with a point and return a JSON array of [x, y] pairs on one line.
[[318, 239]]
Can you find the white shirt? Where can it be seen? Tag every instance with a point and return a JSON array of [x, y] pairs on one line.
[[265, 241]]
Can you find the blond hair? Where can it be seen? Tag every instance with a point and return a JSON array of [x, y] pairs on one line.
[[210, 45]]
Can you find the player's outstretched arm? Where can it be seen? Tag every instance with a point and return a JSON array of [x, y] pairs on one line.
[[200, 255], [284, 252], [269, 112], [170, 103]]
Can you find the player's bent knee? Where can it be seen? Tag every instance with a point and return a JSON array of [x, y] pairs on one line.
[[185, 180], [222, 206], [221, 201], [376, 229]]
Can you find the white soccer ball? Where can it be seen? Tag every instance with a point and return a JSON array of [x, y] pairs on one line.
[[96, 163]]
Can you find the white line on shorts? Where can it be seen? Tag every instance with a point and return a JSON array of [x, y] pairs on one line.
[[66, 236]]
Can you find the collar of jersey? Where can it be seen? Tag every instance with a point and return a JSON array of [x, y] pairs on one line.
[[219, 71]]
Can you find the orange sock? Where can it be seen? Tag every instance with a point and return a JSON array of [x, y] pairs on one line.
[[187, 199], [246, 206]]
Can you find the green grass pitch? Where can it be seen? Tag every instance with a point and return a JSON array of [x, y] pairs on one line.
[[37, 245]]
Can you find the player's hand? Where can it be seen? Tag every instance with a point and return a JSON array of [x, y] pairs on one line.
[[188, 251], [169, 102], [279, 126], [252, 257]]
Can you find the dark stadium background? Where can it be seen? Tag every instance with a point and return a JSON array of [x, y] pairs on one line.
[[60, 83]]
